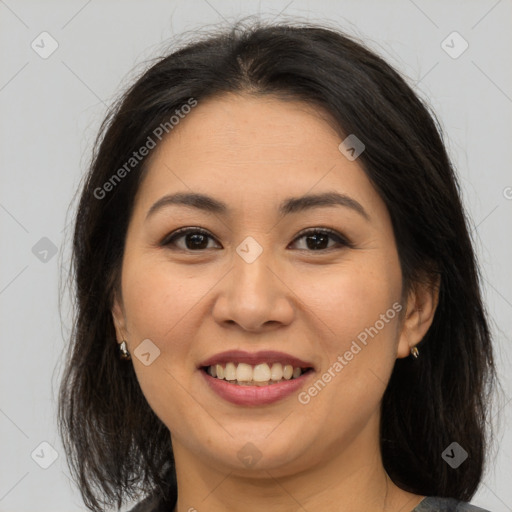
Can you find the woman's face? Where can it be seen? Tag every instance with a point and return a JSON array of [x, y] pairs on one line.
[[256, 279]]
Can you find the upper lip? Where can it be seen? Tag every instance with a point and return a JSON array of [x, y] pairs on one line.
[[253, 358]]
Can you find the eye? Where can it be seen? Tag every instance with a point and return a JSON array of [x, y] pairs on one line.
[[316, 239], [197, 239], [194, 239]]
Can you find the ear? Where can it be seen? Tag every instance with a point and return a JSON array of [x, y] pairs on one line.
[[119, 318], [421, 305]]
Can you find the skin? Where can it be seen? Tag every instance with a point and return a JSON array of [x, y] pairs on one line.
[[251, 153]]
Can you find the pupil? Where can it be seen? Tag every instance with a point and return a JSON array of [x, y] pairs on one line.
[[200, 241], [197, 239], [318, 239]]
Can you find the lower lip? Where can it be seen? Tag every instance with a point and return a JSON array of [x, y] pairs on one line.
[[255, 395]]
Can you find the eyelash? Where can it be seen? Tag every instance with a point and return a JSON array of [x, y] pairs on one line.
[[182, 232]]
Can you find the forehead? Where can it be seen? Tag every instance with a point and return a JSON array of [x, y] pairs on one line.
[[247, 148], [263, 126]]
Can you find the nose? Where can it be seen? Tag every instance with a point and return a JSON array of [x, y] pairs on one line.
[[254, 296]]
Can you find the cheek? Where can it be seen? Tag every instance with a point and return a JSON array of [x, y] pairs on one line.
[[159, 306], [158, 301], [360, 308], [350, 298]]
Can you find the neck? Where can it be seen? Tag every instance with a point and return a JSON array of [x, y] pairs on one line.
[[353, 479]]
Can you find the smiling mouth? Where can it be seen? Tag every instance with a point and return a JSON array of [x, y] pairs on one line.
[[243, 374]]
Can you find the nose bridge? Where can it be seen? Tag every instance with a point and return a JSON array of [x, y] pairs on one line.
[[254, 297], [251, 286], [251, 273]]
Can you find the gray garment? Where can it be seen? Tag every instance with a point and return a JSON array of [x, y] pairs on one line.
[[428, 504], [433, 504]]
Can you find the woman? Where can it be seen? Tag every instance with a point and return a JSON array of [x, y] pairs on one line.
[[278, 300]]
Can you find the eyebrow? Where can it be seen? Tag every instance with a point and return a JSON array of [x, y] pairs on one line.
[[288, 206]]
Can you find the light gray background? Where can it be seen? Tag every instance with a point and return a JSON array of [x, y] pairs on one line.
[[51, 110]]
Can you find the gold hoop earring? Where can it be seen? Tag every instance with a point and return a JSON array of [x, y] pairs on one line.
[[123, 351], [415, 352]]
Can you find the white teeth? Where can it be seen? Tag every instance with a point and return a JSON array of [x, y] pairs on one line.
[[244, 372], [288, 371], [261, 373], [276, 372], [230, 371], [258, 375]]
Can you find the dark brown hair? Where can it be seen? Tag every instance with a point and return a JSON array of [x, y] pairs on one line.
[[115, 444]]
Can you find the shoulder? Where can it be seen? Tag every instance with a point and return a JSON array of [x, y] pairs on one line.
[[438, 504], [152, 504]]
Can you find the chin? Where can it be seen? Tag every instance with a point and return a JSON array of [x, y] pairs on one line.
[[257, 455]]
